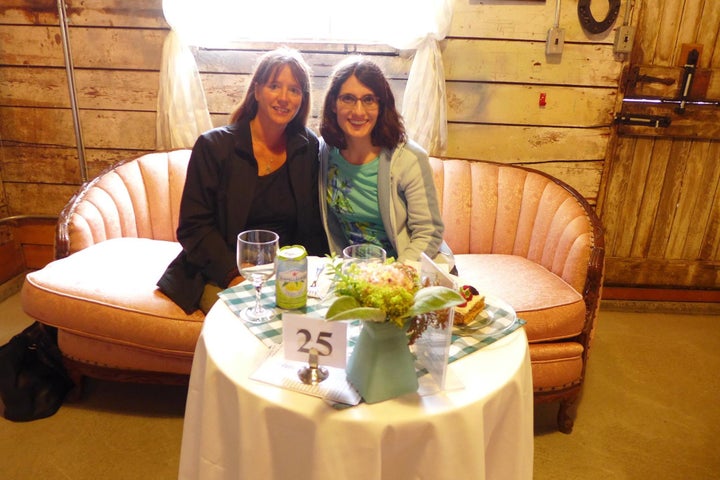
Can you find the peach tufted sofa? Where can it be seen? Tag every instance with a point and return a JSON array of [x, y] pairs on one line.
[[535, 242], [516, 233]]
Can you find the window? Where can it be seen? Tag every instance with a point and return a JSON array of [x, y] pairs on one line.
[[404, 24], [393, 22]]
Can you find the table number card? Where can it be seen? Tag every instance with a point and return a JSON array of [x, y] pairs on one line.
[[303, 332]]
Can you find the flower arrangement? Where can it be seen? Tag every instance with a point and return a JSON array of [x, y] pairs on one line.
[[390, 292]]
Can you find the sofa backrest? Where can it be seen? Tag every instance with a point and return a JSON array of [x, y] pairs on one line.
[[136, 198], [497, 208]]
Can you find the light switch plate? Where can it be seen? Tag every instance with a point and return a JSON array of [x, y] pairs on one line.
[[555, 41], [624, 37]]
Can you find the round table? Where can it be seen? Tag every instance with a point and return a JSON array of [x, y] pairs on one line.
[[239, 428]]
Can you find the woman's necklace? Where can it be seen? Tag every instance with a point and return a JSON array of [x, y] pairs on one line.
[[271, 162], [268, 160], [268, 157]]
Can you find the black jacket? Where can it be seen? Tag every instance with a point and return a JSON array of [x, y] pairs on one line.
[[216, 201]]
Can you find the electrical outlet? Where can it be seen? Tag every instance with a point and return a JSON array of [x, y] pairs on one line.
[[624, 37], [555, 41]]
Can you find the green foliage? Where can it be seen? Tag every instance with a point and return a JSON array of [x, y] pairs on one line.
[[388, 292]]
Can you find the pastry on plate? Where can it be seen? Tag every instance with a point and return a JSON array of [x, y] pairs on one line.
[[474, 304]]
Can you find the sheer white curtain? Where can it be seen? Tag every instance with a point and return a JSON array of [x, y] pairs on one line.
[[404, 24], [182, 112]]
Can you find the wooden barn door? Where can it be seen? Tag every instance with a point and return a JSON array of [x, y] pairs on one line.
[[660, 198]]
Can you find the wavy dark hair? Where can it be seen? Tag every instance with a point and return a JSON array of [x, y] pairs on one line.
[[389, 131], [267, 70]]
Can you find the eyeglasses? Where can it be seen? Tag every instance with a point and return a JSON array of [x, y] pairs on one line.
[[348, 100]]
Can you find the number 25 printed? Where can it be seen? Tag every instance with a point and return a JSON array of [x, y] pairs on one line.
[[322, 340]]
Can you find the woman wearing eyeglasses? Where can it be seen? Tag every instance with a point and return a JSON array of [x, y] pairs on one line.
[[378, 184], [259, 172]]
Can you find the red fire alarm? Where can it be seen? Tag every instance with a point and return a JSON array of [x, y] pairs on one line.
[[543, 100]]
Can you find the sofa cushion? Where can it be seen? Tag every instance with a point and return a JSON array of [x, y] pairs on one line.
[[552, 309], [107, 292]]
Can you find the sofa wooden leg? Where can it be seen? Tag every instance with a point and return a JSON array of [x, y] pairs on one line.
[[78, 379], [566, 414]]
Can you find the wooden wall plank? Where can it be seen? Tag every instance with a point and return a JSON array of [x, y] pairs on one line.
[[616, 178], [29, 12], [224, 91], [628, 199], [667, 201], [667, 46], [116, 13], [642, 271], [508, 144], [525, 62], [499, 19], [710, 248], [125, 13], [48, 164], [648, 28], [706, 33], [40, 164], [695, 203], [396, 65], [38, 198], [103, 48], [520, 104], [96, 89], [118, 129], [37, 87], [657, 156], [101, 128], [688, 28], [117, 89], [582, 176], [117, 48], [36, 126], [31, 46]]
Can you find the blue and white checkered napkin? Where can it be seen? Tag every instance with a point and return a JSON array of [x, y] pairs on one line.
[[270, 332], [502, 322], [464, 341]]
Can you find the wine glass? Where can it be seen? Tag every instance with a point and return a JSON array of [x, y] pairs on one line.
[[256, 252], [362, 253]]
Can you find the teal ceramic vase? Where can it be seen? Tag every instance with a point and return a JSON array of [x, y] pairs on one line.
[[381, 365]]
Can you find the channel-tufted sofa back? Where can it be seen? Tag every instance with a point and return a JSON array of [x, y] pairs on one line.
[[496, 208], [137, 198]]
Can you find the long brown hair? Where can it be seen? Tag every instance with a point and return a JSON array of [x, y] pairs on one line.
[[389, 131], [267, 70]]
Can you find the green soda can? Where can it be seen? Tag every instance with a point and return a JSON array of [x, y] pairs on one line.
[[291, 277]]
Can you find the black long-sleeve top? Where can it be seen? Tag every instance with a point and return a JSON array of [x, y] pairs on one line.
[[216, 203]]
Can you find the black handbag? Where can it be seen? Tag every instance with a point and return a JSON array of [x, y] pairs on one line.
[[33, 379]]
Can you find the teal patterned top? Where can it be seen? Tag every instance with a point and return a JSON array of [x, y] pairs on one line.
[[352, 194]]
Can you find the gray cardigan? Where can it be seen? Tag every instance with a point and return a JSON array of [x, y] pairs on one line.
[[407, 200]]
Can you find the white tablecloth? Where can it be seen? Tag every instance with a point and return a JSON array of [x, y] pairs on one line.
[[238, 428]]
